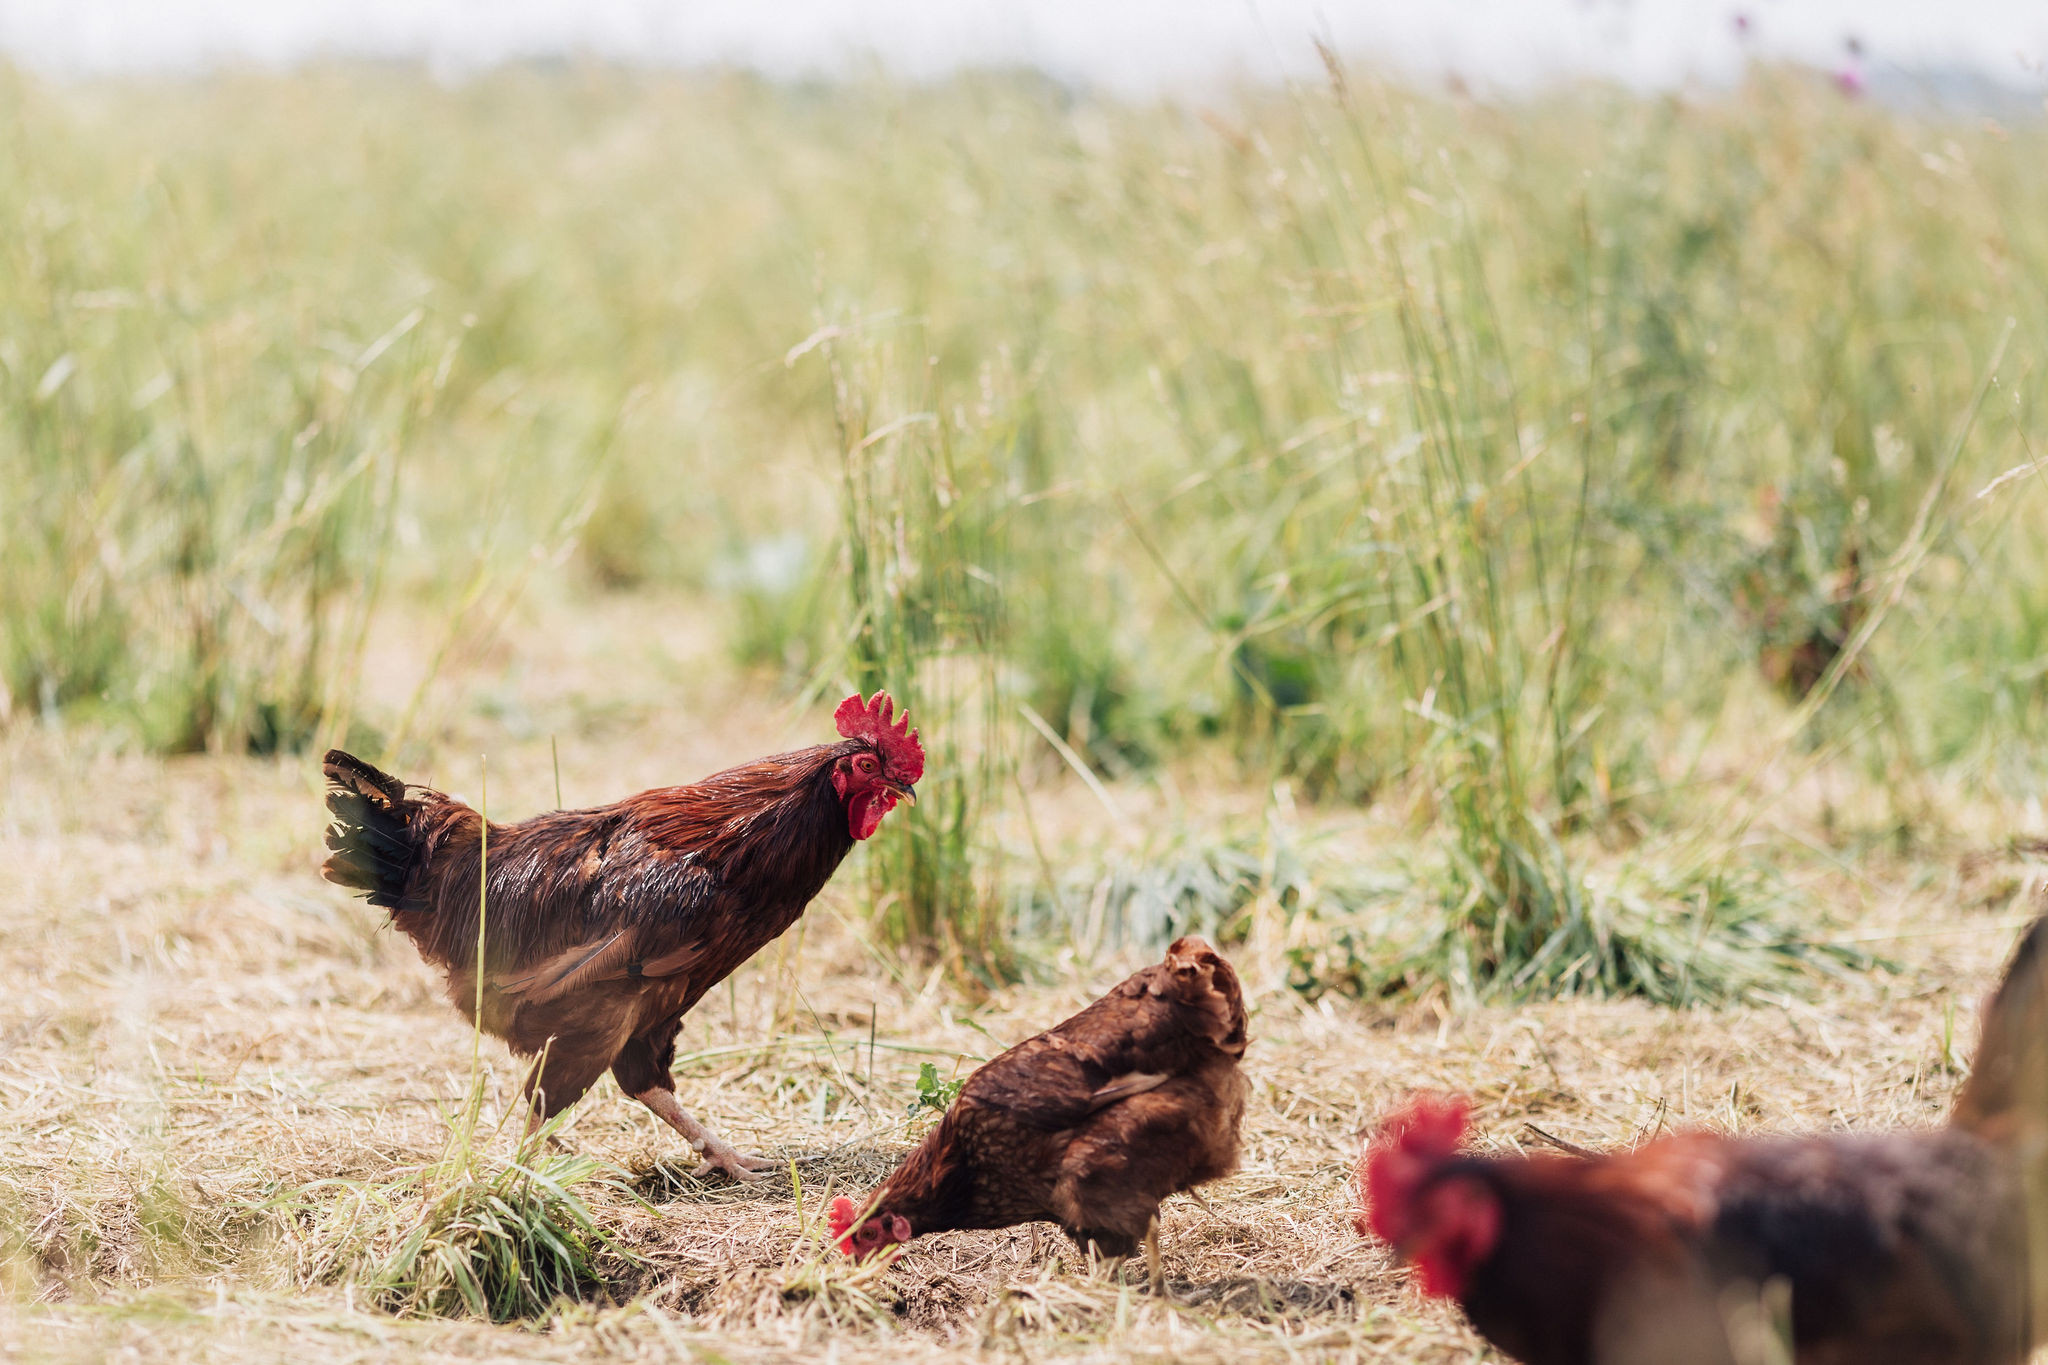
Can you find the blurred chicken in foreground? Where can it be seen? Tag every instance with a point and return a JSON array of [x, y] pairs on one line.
[[1900, 1248]]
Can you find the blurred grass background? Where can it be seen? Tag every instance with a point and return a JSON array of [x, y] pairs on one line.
[[1522, 463]]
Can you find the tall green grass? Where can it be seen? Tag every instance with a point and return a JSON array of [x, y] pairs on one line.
[[199, 564], [924, 553], [1507, 460]]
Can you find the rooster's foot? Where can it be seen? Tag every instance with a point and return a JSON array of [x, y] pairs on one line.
[[718, 1154], [722, 1156]]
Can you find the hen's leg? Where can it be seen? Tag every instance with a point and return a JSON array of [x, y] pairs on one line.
[[642, 1072], [1153, 1271], [1109, 1244]]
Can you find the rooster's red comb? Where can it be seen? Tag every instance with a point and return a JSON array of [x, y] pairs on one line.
[[902, 755], [1420, 1134]]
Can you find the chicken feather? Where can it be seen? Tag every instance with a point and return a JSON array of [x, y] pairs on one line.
[[1089, 1124], [1899, 1248], [606, 925]]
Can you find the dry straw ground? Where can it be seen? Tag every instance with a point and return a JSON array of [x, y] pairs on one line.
[[195, 1026]]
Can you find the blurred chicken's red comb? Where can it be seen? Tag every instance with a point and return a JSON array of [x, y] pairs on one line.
[[842, 1215], [1428, 1126], [1420, 1134], [902, 755]]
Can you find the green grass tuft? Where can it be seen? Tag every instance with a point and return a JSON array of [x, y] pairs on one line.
[[469, 1234], [1632, 929]]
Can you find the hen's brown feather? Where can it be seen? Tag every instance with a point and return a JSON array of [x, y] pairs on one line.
[[2007, 1089], [1091, 1123]]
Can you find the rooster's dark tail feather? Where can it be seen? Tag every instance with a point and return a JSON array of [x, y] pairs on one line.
[[371, 850]]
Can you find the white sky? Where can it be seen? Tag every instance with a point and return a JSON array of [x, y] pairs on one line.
[[1134, 46]]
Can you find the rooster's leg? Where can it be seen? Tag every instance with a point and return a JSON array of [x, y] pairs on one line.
[[719, 1155]]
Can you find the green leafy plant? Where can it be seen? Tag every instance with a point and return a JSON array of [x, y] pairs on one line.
[[934, 1096]]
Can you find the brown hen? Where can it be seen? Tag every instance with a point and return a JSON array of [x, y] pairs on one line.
[[1088, 1125]]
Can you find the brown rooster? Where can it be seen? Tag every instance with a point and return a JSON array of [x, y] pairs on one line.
[[1901, 1248], [1088, 1125], [604, 926]]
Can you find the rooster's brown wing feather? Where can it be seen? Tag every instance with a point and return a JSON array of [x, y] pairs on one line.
[[619, 957]]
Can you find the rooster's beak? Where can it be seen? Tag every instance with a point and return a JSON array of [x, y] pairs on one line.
[[903, 791]]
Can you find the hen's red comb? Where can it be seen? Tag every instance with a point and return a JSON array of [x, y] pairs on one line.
[[843, 1215], [902, 755], [1420, 1134]]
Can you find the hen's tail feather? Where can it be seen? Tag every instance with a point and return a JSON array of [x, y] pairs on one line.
[[2007, 1092], [367, 839]]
